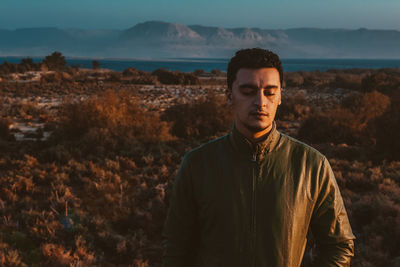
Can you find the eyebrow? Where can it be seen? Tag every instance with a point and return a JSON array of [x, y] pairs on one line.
[[253, 86]]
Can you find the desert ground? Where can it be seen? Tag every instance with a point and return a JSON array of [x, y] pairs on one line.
[[88, 157]]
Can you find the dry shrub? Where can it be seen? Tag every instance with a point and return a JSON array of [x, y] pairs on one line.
[[348, 81], [113, 77], [5, 133], [10, 257], [373, 204], [56, 77], [57, 255], [218, 73], [199, 72], [201, 118], [293, 79], [134, 76], [110, 121], [7, 67], [140, 263], [26, 64], [175, 77], [83, 213], [130, 72], [337, 126], [386, 81], [377, 217], [293, 107], [350, 123], [55, 61], [387, 128], [26, 110], [374, 104], [220, 81], [317, 79], [367, 107], [144, 79]]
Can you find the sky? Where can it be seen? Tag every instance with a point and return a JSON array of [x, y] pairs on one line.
[[265, 14]]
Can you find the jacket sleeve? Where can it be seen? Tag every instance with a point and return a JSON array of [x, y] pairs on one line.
[[179, 227], [329, 223]]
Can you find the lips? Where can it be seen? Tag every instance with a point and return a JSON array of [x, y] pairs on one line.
[[258, 113]]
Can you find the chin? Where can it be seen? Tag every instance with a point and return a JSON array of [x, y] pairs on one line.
[[257, 127]]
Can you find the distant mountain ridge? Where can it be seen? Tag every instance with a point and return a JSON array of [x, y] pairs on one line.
[[158, 39], [161, 31]]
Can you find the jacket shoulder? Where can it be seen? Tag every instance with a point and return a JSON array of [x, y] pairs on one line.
[[208, 150], [298, 147]]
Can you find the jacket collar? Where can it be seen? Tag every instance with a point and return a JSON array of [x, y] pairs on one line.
[[255, 151]]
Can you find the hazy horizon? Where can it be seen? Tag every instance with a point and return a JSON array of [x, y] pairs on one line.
[[122, 29]]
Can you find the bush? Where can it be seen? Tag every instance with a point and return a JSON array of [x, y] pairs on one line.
[[56, 77], [55, 61], [367, 107], [337, 126], [199, 72], [347, 81], [130, 72], [175, 77], [293, 107], [218, 73], [293, 79], [29, 64], [387, 128], [26, 110], [144, 79], [200, 118], [113, 77], [317, 79], [386, 81], [4, 129], [7, 67], [371, 195], [95, 64], [351, 123], [109, 122]]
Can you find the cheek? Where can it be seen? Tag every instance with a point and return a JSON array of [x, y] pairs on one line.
[[241, 105]]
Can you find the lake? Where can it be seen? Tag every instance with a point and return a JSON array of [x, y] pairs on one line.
[[208, 64]]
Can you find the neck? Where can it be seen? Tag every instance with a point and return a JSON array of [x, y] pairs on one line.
[[254, 137]]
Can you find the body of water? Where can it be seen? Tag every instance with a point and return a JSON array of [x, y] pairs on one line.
[[208, 64]]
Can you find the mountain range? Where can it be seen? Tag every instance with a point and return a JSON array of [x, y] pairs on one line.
[[157, 39]]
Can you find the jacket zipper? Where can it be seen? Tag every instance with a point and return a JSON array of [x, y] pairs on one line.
[[253, 208]]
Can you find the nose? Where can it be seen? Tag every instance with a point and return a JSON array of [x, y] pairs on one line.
[[260, 99]]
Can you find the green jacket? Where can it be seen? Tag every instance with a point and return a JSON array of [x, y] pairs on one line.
[[236, 204]]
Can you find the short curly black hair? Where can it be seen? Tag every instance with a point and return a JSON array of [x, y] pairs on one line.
[[253, 58]]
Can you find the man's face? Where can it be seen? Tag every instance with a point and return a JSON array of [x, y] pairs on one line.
[[255, 96]]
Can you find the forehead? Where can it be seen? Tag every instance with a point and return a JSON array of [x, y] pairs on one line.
[[258, 76]]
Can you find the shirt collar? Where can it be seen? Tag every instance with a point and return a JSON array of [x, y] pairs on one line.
[[257, 150]]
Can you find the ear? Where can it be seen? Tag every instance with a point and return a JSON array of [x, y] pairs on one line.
[[280, 97], [229, 96]]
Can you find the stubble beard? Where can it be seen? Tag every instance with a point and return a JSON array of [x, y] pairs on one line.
[[256, 128]]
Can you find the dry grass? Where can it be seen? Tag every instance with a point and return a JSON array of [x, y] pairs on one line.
[[96, 194]]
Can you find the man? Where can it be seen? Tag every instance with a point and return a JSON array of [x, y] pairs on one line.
[[249, 198]]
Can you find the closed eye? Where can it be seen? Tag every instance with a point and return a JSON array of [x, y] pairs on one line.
[[250, 89], [271, 91], [247, 90]]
